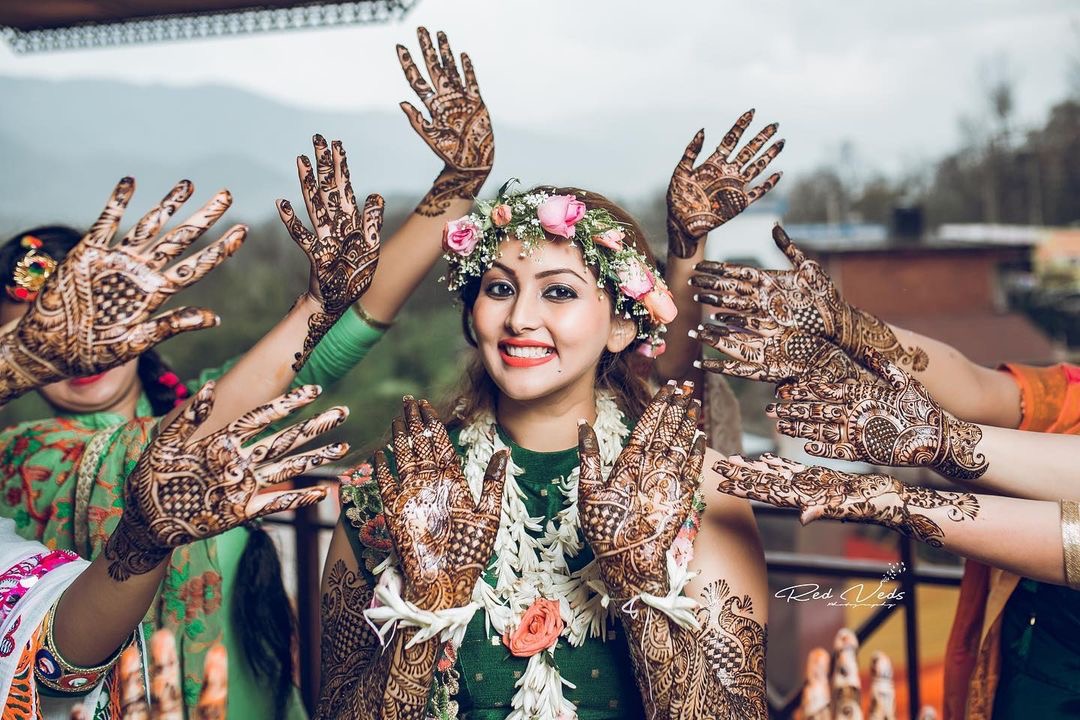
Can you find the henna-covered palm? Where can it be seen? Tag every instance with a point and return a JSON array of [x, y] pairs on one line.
[[459, 130], [631, 517], [183, 491], [442, 535], [764, 350], [819, 492], [95, 312], [344, 249], [897, 424], [804, 298], [704, 198]]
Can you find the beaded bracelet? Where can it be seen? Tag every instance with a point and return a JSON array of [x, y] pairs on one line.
[[56, 673], [1070, 541]]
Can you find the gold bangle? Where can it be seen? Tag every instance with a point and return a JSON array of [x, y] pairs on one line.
[[1070, 541], [375, 324], [56, 673]]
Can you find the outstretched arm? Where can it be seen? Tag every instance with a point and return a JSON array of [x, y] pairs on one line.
[[459, 133], [1021, 536]]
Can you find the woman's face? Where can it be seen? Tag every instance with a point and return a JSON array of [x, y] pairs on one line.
[[541, 322], [95, 393]]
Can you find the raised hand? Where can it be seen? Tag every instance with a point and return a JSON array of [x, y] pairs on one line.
[[443, 536], [703, 198], [897, 424], [96, 311], [459, 130], [344, 249], [631, 517], [803, 298], [819, 492], [764, 350], [184, 491]]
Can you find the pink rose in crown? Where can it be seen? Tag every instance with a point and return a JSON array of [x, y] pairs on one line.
[[501, 215], [635, 280], [460, 236], [660, 304], [560, 213], [611, 238]]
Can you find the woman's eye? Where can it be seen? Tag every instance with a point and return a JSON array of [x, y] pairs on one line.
[[560, 292], [499, 288]]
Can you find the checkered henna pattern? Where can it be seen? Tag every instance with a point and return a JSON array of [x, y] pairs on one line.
[[181, 492], [822, 492], [344, 249], [97, 310], [459, 130], [443, 537], [704, 198], [897, 424], [630, 519], [803, 298]]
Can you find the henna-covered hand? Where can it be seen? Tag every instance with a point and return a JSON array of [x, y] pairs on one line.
[[897, 424], [95, 312], [184, 491], [704, 198], [459, 130], [764, 350], [819, 492], [839, 696], [443, 536], [804, 298], [344, 249], [630, 518]]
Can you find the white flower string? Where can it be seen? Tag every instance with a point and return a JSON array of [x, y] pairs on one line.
[[526, 568], [391, 610]]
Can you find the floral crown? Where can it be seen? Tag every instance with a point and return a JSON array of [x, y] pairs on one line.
[[471, 246]]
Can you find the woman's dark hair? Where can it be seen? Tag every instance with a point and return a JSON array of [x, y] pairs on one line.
[[261, 610], [264, 617], [624, 374]]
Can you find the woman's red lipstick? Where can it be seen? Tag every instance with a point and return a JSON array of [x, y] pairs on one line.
[[88, 380], [524, 362]]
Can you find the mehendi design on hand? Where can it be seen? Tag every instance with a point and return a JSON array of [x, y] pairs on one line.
[[184, 491], [704, 198], [630, 518], [95, 312], [442, 535], [344, 249], [897, 424], [166, 700], [764, 350], [459, 130], [822, 492], [804, 298]]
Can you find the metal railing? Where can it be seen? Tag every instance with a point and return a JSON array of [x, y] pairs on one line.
[[306, 526]]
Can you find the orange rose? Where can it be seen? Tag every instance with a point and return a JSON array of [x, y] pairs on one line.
[[539, 629], [661, 305]]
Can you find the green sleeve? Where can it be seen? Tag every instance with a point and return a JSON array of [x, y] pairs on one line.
[[340, 350]]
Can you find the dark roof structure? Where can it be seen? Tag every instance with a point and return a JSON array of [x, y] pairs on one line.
[[43, 25]]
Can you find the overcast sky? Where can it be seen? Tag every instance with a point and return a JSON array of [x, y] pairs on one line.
[[892, 77]]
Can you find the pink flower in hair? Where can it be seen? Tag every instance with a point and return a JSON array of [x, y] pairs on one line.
[[635, 280], [611, 238], [559, 214], [461, 236]]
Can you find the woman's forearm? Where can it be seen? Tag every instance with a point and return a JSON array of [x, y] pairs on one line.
[[969, 391], [406, 259], [97, 614], [676, 363], [1038, 466]]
